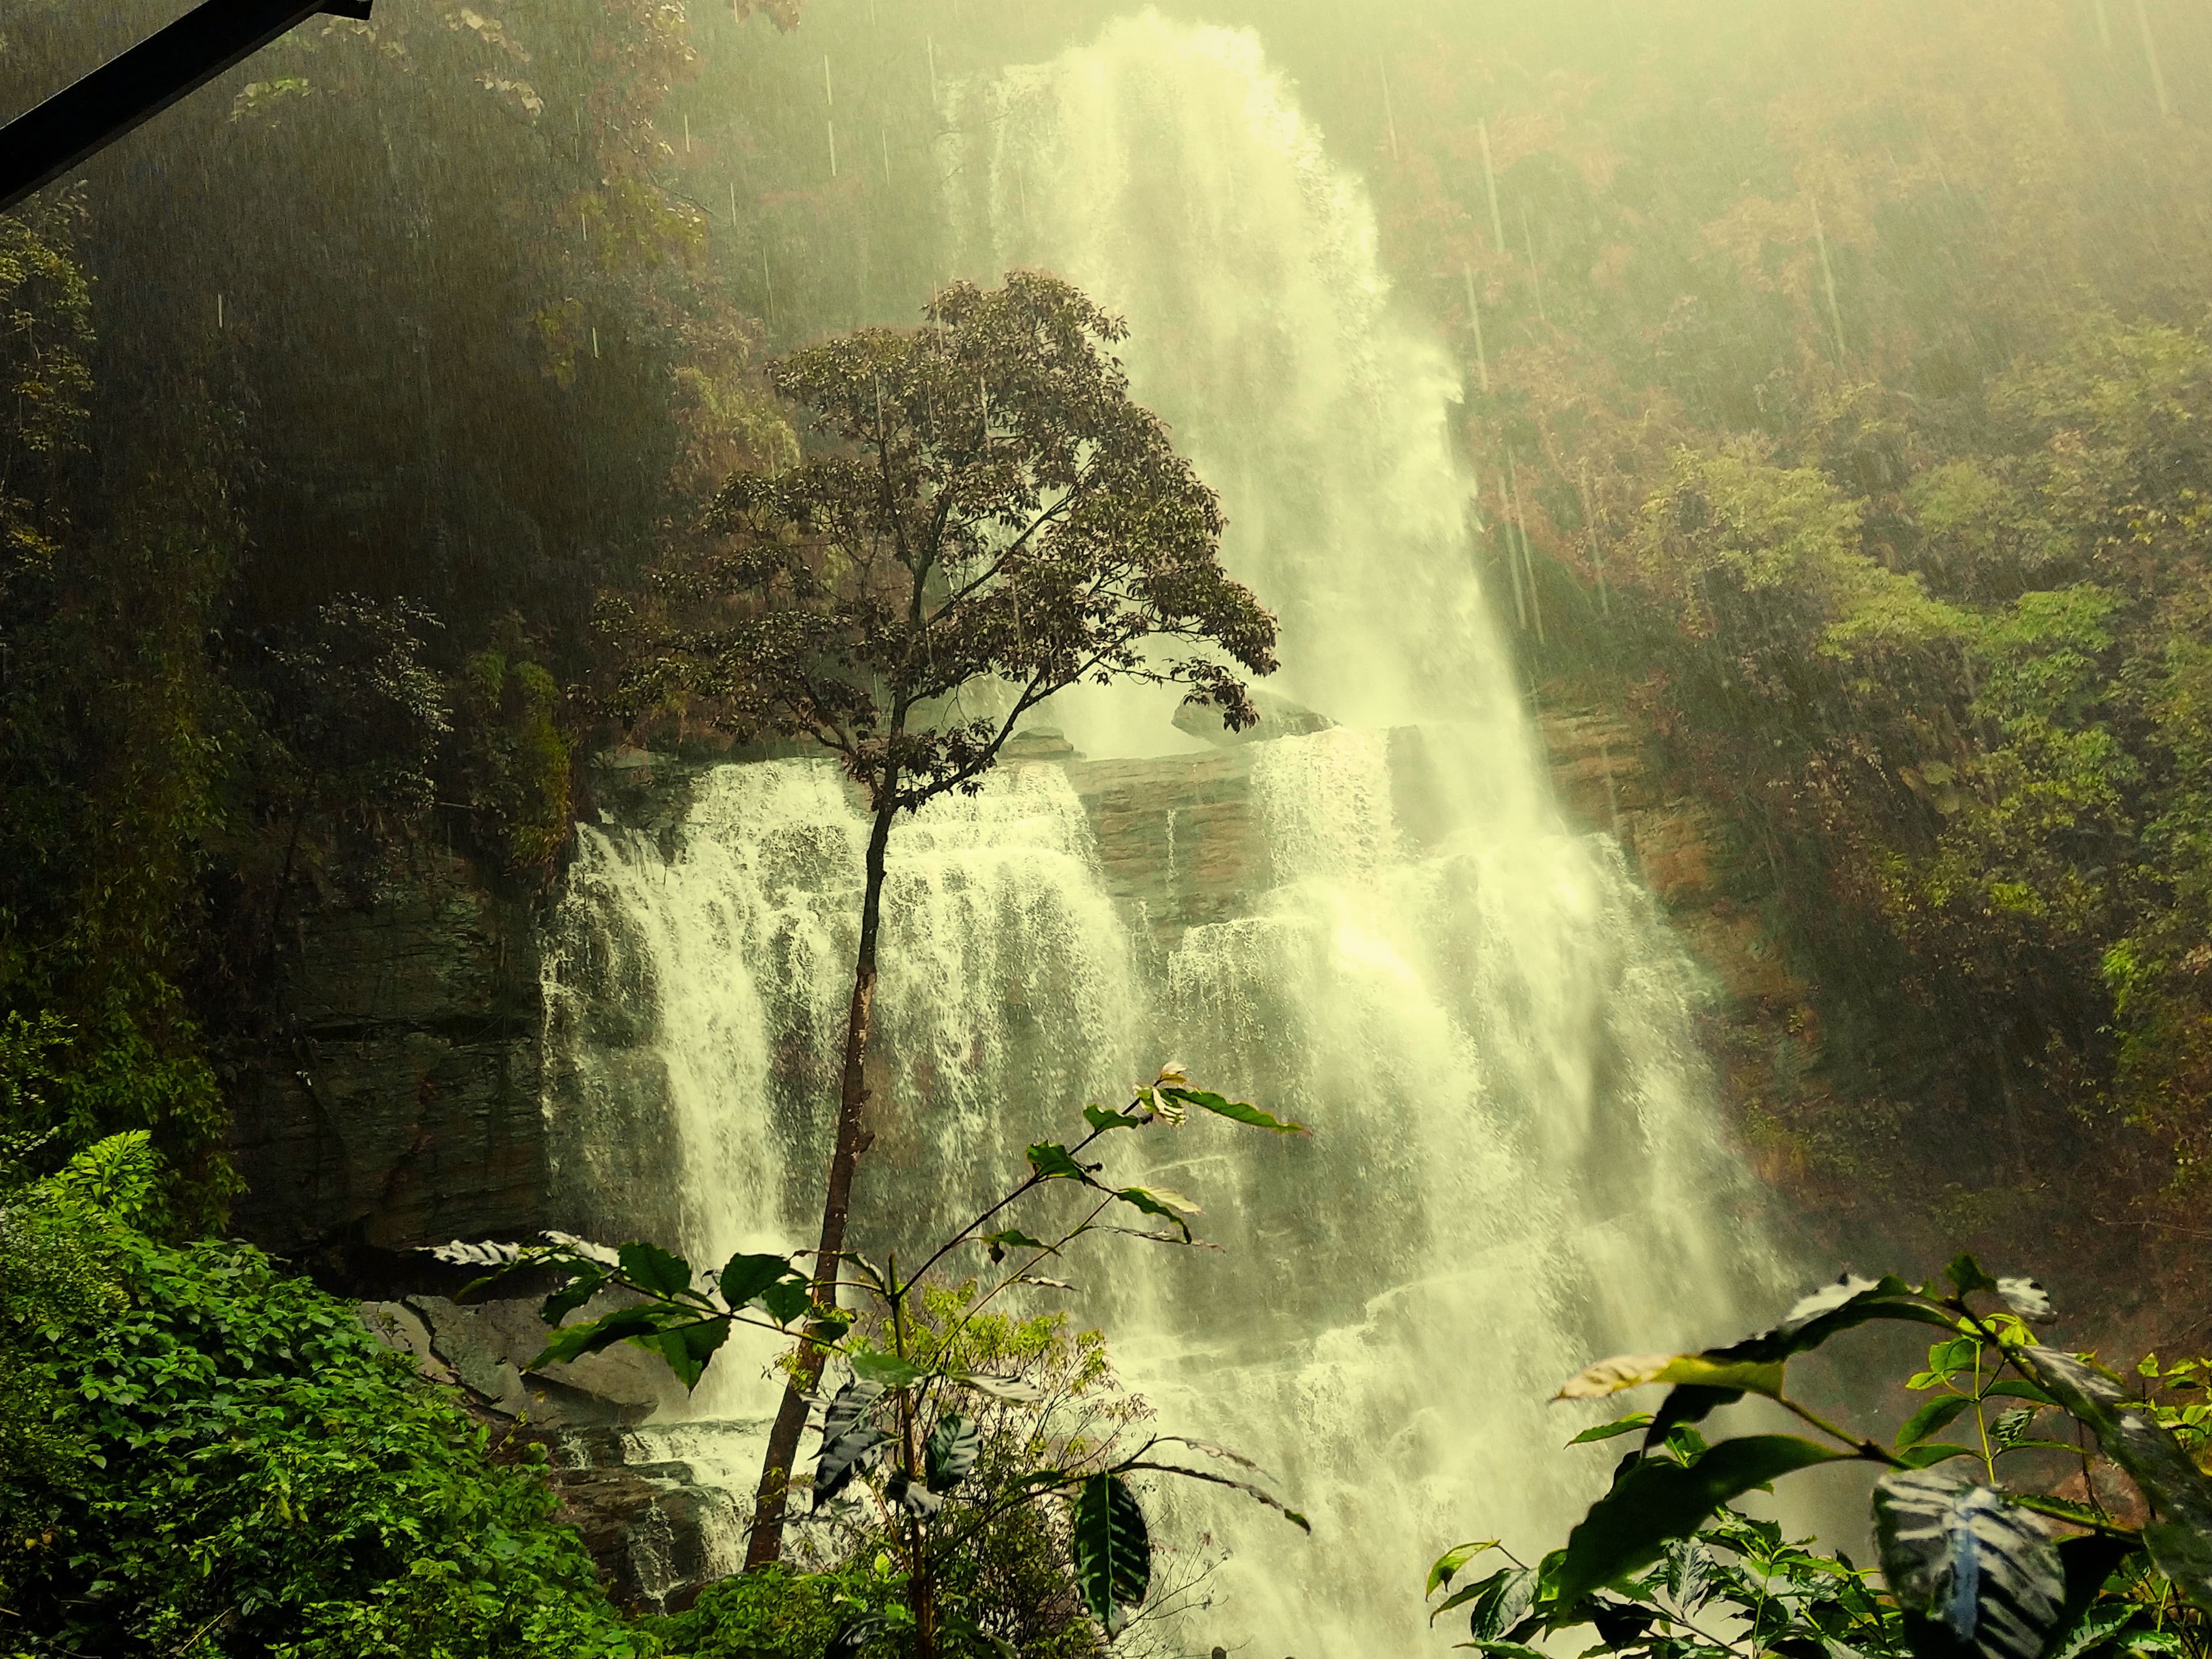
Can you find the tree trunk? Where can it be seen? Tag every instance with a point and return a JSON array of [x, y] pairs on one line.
[[766, 1542]]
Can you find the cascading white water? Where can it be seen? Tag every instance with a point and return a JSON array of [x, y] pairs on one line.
[[1515, 1163]]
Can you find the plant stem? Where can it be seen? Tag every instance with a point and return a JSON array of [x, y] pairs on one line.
[[1873, 1451]]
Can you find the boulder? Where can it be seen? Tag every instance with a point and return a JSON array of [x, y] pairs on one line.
[[1280, 717]]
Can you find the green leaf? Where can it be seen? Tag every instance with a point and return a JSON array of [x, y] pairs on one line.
[[1237, 1111], [1158, 1200], [2083, 1622], [1013, 1238], [1103, 1119], [653, 1270], [574, 1341], [1447, 1565], [1704, 1370], [1113, 1550], [1468, 1592], [954, 1446], [1619, 1425], [2013, 1389], [747, 1276], [849, 1407], [788, 1299], [1937, 1413], [1967, 1276], [1923, 1457], [2180, 1537], [1506, 1650], [1968, 1560], [844, 1458], [1850, 1302], [1685, 1405], [1652, 1502], [687, 1348], [571, 1296], [1502, 1610], [887, 1371], [828, 1325], [1055, 1162]]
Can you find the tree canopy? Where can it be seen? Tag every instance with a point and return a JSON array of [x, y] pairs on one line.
[[986, 505]]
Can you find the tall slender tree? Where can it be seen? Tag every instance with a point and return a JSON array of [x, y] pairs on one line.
[[985, 519]]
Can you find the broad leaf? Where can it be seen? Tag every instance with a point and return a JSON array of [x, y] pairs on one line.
[[1692, 1573], [1967, 1277], [574, 1341], [1937, 1414], [1499, 1612], [1967, 1559], [688, 1347], [1474, 1591], [1446, 1566], [1619, 1425], [1113, 1550], [828, 1325], [2084, 1622], [887, 1371], [1926, 1456], [1102, 1118], [747, 1276], [844, 1458], [1000, 1388], [653, 1270], [788, 1299], [571, 1296], [1851, 1301], [2180, 1538], [1056, 1163], [852, 1404], [2028, 1298], [1159, 1201], [1610, 1377], [1654, 1501], [1012, 1238], [1683, 1405], [903, 1493], [954, 1446], [1239, 1111]]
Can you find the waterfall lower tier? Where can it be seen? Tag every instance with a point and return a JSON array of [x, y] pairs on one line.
[[1512, 1170]]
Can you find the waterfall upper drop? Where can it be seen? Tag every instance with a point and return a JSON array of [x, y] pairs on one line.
[[1383, 929]]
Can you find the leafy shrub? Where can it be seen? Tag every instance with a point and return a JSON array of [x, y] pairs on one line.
[[1973, 1565], [514, 757], [771, 1612], [204, 1454]]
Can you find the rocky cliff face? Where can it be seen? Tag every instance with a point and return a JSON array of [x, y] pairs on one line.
[[396, 1104], [401, 1104]]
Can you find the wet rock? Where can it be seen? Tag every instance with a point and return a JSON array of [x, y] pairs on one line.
[[487, 1347], [1280, 717], [396, 1098]]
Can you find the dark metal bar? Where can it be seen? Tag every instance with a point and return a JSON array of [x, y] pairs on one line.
[[39, 147]]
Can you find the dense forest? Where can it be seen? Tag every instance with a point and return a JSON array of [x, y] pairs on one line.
[[1838, 393]]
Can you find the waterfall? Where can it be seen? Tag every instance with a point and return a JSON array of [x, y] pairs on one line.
[[1516, 1164]]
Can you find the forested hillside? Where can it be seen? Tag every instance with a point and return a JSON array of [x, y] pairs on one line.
[[1839, 386], [336, 398]]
